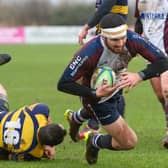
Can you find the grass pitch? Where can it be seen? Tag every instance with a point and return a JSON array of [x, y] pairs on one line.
[[31, 77]]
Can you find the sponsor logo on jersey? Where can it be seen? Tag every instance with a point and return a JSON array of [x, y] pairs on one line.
[[153, 15], [77, 63]]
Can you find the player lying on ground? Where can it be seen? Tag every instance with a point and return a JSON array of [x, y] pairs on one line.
[[27, 133]]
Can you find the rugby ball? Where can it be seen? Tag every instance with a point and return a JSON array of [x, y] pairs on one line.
[[103, 75]]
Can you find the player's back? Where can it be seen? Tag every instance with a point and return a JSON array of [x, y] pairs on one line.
[[19, 129]]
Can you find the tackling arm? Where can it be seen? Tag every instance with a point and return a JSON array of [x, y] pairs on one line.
[[104, 9], [154, 69]]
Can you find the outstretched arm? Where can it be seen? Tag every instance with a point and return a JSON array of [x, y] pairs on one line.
[[152, 70], [104, 9]]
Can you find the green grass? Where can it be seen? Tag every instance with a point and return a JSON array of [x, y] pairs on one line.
[[31, 77]]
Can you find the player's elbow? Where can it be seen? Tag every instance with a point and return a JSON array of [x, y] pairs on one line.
[[60, 85]]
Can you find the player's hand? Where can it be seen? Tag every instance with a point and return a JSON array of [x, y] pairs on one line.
[[129, 80], [105, 90], [49, 151], [82, 34]]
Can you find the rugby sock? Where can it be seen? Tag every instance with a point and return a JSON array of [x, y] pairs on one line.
[[78, 117], [102, 141]]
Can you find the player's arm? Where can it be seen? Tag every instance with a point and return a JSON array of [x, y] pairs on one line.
[[81, 90], [72, 87], [155, 69], [68, 84], [79, 65], [141, 46], [130, 79], [22, 156], [38, 108], [138, 23], [158, 60], [104, 9]]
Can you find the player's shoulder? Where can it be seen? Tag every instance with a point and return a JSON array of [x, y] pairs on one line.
[[38, 108], [92, 46], [134, 37]]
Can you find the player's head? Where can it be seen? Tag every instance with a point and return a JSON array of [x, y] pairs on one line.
[[114, 30], [52, 134]]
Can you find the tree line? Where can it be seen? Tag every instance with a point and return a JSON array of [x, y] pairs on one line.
[[43, 12]]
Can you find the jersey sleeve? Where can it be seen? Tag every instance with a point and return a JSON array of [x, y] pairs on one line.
[[139, 45], [38, 108], [103, 9], [80, 68], [150, 52]]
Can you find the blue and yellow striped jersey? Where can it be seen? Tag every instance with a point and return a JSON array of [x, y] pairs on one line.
[[19, 129], [104, 7], [121, 7]]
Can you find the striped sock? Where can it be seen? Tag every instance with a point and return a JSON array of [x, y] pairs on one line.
[[78, 118]]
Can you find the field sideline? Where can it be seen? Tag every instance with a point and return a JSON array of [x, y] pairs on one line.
[[31, 77]]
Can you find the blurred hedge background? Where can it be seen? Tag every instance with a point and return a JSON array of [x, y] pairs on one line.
[[46, 12]]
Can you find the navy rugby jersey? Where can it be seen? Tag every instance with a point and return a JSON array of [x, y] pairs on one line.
[[95, 53]]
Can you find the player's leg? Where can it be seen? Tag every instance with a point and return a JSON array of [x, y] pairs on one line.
[[164, 86], [123, 137], [75, 120], [156, 85], [119, 137], [93, 124]]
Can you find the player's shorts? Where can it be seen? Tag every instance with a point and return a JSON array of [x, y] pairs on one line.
[[108, 111]]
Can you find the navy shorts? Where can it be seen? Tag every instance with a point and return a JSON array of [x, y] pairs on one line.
[[108, 111]]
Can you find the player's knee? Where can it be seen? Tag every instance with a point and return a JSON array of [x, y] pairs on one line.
[[165, 93], [130, 141], [164, 86]]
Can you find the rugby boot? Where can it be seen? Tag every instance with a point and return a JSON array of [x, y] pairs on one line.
[[91, 153], [165, 141], [73, 125]]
